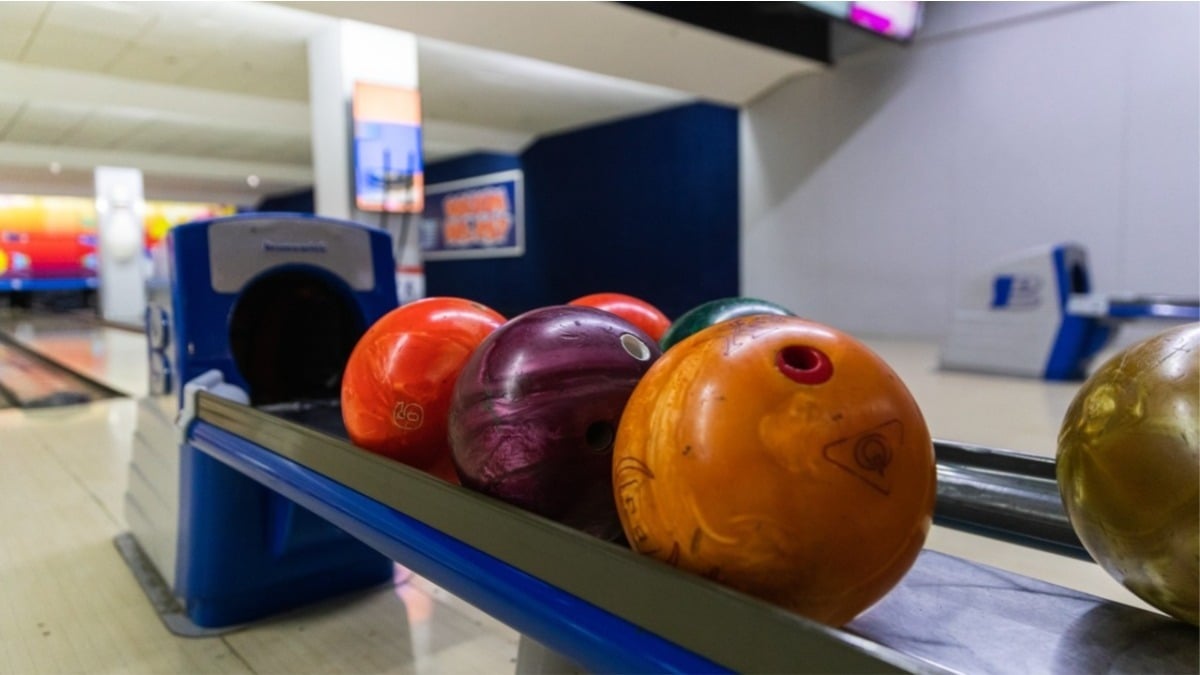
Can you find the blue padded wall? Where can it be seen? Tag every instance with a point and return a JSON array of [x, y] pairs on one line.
[[646, 206]]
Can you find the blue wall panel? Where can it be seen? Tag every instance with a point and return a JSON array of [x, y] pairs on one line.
[[646, 206]]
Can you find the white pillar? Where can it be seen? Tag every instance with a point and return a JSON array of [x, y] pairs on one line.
[[120, 208], [345, 53], [339, 56]]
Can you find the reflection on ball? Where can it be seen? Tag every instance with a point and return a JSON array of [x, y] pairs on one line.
[[634, 310], [1129, 469]]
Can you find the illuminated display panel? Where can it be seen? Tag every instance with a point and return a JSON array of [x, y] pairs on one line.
[[897, 19], [388, 168], [46, 238]]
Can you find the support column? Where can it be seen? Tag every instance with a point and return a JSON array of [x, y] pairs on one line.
[[345, 53], [120, 208]]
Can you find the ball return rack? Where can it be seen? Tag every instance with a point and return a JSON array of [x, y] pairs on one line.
[[603, 608]]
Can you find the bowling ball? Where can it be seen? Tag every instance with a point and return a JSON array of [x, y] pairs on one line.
[[398, 381], [782, 458], [1129, 468], [714, 312], [536, 409], [634, 310]]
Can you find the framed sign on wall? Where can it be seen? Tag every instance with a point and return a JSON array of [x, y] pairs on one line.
[[478, 217]]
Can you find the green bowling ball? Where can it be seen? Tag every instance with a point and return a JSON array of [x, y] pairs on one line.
[[714, 312], [1129, 469]]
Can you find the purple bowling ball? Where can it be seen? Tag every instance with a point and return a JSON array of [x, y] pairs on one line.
[[535, 412]]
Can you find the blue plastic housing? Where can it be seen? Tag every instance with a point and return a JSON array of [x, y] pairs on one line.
[[243, 551]]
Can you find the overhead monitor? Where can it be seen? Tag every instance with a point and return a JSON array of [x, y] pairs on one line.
[[388, 169], [896, 19]]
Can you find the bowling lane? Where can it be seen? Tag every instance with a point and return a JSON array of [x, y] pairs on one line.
[[112, 356], [1012, 413]]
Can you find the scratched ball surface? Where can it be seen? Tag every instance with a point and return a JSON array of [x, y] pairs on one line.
[[536, 409], [1129, 469], [398, 381], [634, 310], [780, 457]]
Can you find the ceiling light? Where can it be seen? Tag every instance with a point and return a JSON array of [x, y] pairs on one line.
[[252, 181]]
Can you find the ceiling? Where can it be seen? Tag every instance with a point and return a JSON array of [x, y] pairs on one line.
[[203, 95]]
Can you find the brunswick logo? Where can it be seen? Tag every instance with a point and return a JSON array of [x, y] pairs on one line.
[[869, 454], [269, 246]]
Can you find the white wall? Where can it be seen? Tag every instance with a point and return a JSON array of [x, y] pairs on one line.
[[872, 191]]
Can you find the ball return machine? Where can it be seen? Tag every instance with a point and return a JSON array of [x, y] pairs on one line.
[[306, 501]]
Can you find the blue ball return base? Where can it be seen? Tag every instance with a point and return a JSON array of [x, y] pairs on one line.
[[264, 309], [247, 553], [1035, 315]]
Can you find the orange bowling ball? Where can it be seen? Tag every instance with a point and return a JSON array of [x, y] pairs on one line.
[[780, 457], [398, 382]]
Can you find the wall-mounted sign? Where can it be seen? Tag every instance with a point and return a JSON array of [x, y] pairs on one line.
[[479, 217], [388, 171]]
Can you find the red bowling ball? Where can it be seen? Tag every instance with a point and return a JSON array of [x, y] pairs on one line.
[[399, 379], [536, 409], [634, 310]]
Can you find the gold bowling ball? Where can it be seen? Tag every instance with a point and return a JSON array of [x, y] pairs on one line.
[[1129, 469]]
